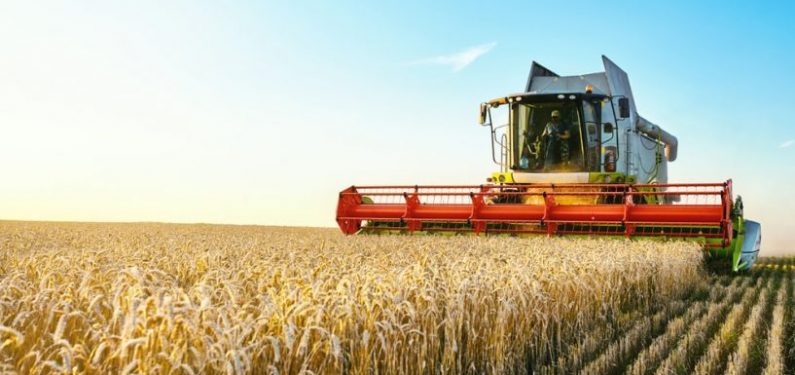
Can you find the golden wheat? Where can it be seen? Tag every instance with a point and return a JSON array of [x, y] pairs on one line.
[[152, 298]]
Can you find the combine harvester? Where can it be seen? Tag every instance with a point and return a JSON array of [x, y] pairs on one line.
[[575, 159]]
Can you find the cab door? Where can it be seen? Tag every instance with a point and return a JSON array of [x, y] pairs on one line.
[[592, 134]]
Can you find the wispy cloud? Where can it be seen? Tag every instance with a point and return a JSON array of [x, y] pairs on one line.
[[787, 143], [458, 60]]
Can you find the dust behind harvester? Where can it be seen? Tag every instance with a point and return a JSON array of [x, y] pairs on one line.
[[575, 158]]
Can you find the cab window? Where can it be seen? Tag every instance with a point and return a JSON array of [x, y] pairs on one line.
[[548, 137]]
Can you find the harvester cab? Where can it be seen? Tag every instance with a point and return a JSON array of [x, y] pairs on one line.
[[598, 136], [575, 158]]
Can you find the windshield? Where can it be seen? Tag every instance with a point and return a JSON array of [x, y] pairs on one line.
[[548, 137]]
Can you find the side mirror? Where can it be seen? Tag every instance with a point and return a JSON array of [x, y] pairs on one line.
[[623, 107], [607, 127], [484, 108]]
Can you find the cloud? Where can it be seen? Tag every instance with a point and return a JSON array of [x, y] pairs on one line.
[[458, 60], [787, 143]]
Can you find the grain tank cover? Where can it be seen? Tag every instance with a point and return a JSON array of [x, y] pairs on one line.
[[538, 70], [543, 81], [613, 81], [618, 83]]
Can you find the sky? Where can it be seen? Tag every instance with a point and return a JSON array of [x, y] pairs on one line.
[[261, 112]]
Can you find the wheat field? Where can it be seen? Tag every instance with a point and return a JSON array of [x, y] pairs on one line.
[[174, 299]]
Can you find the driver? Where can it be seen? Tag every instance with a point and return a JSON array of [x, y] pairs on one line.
[[556, 139]]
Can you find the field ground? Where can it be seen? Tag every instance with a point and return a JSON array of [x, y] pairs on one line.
[[144, 298]]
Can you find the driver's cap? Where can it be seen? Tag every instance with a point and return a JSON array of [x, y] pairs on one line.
[[555, 113]]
